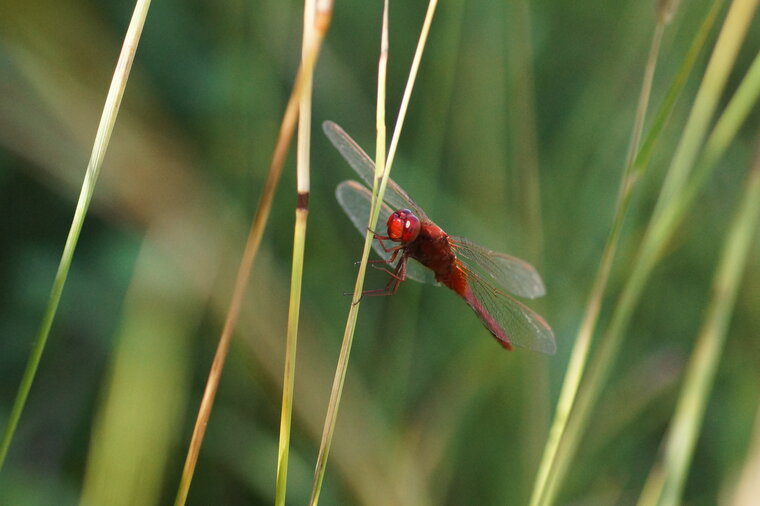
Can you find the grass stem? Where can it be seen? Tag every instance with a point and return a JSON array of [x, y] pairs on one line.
[[299, 241], [579, 356], [666, 482], [99, 148], [593, 307], [382, 168], [322, 23], [661, 227]]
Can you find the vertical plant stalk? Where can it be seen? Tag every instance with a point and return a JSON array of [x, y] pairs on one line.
[[102, 139], [348, 335], [322, 22], [671, 197], [296, 276], [666, 481], [526, 195], [579, 356], [382, 171], [725, 130], [526, 142]]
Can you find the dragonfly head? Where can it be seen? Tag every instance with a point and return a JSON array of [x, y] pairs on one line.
[[403, 226]]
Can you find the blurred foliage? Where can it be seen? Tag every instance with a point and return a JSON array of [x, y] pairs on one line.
[[434, 412]]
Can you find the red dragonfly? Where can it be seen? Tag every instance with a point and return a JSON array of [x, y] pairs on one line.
[[428, 254]]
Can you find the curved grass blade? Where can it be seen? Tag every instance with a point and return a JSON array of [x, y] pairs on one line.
[[99, 148]]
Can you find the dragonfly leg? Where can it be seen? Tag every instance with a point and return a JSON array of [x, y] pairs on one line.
[[383, 261], [386, 262], [397, 277], [373, 264], [370, 262], [381, 238], [392, 273]]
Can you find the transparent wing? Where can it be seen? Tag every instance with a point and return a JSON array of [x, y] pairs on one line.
[[355, 200], [523, 326], [395, 196], [508, 273]]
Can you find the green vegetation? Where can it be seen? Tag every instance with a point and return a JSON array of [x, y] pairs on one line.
[[518, 135]]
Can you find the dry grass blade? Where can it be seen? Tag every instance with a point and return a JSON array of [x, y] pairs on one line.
[[322, 23]]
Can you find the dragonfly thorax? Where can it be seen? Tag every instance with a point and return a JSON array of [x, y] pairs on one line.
[[403, 226]]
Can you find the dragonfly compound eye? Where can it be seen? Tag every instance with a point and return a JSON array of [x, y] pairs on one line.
[[403, 226]]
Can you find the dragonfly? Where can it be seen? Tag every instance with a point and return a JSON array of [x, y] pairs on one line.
[[422, 251]]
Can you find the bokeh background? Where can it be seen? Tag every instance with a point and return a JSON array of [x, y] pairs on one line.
[[434, 411]]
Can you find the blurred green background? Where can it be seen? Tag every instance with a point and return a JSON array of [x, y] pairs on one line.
[[434, 412]]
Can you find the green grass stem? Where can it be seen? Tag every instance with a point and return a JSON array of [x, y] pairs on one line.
[[666, 482], [382, 172], [661, 226], [348, 335], [99, 148], [579, 356], [255, 234], [296, 276], [641, 162]]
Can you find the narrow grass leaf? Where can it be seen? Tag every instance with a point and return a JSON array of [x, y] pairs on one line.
[[669, 476], [99, 148], [296, 275], [579, 356], [382, 168], [732, 34]]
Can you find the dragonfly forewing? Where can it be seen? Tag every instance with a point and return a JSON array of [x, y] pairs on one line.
[[395, 196], [506, 272]]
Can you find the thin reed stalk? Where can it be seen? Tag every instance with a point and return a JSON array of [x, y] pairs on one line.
[[348, 335], [526, 196], [661, 227], [322, 22], [523, 116], [296, 276], [666, 481], [99, 148], [725, 129], [580, 353], [382, 172]]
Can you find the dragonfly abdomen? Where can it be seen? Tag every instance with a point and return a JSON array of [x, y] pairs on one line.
[[487, 320]]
